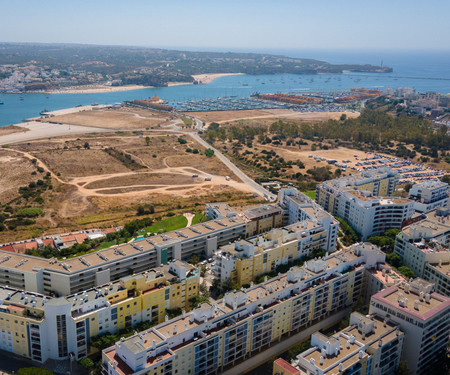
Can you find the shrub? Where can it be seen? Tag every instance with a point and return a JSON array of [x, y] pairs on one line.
[[86, 363], [34, 371], [29, 212]]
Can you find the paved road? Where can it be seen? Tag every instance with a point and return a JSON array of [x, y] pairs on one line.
[[257, 187], [285, 344], [40, 130]]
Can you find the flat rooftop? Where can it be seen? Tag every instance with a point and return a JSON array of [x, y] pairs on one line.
[[27, 263], [390, 277], [257, 212], [348, 355], [432, 228], [142, 341], [443, 268], [425, 310]]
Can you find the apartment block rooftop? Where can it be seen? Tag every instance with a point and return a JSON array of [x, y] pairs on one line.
[[387, 275], [435, 224], [366, 196], [260, 211], [337, 353], [442, 267], [237, 305], [15, 298], [362, 178], [415, 298], [29, 263]]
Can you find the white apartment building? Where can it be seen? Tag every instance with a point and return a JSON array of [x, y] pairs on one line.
[[426, 242], [439, 275], [64, 277], [369, 345], [429, 195], [213, 336], [364, 202], [424, 317], [371, 216], [298, 207], [244, 260]]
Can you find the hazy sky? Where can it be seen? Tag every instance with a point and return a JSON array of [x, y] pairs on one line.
[[231, 24]]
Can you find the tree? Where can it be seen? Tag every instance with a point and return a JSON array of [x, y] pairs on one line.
[[141, 211], [343, 117], [86, 146], [213, 126], [194, 259], [407, 272], [203, 270], [209, 153], [86, 363], [408, 187], [446, 178], [394, 260], [402, 369], [204, 290], [147, 140]]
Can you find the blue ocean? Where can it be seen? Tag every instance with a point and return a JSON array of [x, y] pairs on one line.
[[424, 71]]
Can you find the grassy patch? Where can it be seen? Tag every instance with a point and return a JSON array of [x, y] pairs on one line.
[[167, 225], [105, 245], [187, 121], [311, 194], [199, 218]]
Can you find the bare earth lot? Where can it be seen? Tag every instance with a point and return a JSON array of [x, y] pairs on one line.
[[227, 116], [123, 119], [93, 188], [15, 171]]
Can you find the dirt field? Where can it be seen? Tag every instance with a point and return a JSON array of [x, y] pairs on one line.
[[123, 119], [15, 171], [228, 116], [92, 188]]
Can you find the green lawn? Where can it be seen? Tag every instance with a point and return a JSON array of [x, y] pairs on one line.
[[167, 225], [187, 121], [105, 245], [199, 218], [311, 194]]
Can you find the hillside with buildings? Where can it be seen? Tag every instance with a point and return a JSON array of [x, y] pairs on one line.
[[25, 67]]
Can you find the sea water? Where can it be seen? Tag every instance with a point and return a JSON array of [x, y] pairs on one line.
[[424, 71]]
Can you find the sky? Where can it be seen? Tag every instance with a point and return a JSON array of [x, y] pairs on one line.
[[238, 25]]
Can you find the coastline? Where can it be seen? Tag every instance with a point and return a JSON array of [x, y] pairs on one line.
[[94, 89], [204, 79]]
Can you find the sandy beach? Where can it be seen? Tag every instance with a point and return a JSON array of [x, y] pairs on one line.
[[209, 77], [170, 84], [94, 89]]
